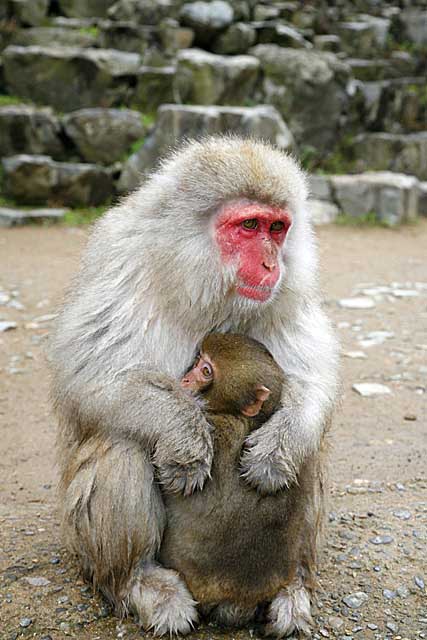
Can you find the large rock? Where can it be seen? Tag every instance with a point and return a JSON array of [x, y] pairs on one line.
[[16, 217], [237, 39], [61, 36], [394, 152], [206, 78], [145, 12], [207, 19], [154, 87], [126, 36], [365, 36], [68, 78], [422, 201], [322, 212], [174, 37], [104, 135], [29, 12], [39, 179], [309, 90], [25, 129], [177, 122], [412, 25], [85, 8], [392, 197]]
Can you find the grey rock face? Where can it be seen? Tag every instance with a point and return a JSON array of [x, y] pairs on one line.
[[422, 202], [323, 212], [103, 135], [62, 36], [85, 8], [206, 18], [145, 12], [15, 217], [308, 88], [39, 179], [237, 39], [25, 129], [125, 36], [177, 122], [29, 12], [174, 37], [320, 187], [154, 87], [393, 152], [414, 22], [206, 78], [68, 78], [392, 197]]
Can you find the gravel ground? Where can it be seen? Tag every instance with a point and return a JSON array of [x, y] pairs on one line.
[[374, 570]]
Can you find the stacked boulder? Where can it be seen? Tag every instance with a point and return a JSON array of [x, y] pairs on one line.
[[94, 92]]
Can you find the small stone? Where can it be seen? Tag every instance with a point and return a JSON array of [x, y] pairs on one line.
[[7, 326], [335, 622], [381, 540], [25, 622], [324, 633], [419, 581], [55, 560], [405, 293], [355, 355], [391, 626], [372, 626], [356, 303], [65, 627], [388, 594], [355, 600], [402, 591], [367, 389], [402, 514], [37, 581], [411, 417]]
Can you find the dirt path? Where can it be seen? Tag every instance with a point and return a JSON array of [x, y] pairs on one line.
[[376, 549]]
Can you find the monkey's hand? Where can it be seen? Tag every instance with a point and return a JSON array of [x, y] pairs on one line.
[[183, 449], [267, 462]]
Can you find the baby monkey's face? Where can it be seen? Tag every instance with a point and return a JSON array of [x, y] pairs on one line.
[[200, 376]]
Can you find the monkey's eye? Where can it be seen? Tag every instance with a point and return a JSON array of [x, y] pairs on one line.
[[252, 223], [207, 371], [277, 226]]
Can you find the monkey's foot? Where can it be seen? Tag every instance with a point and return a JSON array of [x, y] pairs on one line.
[[162, 601], [186, 479], [289, 612], [265, 468]]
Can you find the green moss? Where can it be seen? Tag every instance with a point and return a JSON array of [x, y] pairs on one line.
[[76, 217], [6, 101], [91, 31], [148, 119]]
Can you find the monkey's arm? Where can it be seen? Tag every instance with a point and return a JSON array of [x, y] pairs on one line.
[[274, 452], [152, 409]]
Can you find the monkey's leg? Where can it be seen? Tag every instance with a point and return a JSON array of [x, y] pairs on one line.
[[289, 611], [114, 520]]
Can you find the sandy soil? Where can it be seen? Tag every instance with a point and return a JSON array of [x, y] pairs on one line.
[[376, 539]]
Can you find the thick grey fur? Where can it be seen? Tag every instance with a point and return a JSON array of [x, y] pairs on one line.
[[151, 286]]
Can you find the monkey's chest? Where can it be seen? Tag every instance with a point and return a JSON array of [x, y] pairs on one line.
[[228, 542]]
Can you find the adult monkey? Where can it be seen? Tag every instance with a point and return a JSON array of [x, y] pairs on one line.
[[218, 239]]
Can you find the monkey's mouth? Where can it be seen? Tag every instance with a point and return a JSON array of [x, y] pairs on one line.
[[260, 292]]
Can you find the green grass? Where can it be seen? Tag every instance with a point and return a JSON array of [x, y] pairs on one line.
[[6, 101], [366, 220], [77, 217]]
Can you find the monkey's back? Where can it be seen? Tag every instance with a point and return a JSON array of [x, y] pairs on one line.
[[229, 542]]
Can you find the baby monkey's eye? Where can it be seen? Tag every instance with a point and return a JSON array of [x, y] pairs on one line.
[[252, 223], [277, 226], [207, 371]]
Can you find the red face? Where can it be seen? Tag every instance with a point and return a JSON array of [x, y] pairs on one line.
[[251, 235], [200, 376]]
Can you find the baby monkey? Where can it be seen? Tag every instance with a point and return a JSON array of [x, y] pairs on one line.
[[243, 555]]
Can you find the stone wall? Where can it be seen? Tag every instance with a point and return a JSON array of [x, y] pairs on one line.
[[93, 92]]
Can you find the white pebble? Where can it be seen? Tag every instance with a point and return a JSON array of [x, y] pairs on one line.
[[367, 389]]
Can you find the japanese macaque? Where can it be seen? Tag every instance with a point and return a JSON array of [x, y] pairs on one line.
[[219, 239], [236, 550]]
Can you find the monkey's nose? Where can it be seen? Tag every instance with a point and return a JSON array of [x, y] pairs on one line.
[[270, 266]]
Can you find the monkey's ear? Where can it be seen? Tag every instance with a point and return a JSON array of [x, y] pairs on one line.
[[253, 409]]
